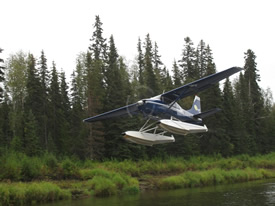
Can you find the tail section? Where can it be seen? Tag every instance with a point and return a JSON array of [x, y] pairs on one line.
[[196, 107]]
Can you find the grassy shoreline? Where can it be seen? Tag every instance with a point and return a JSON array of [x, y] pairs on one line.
[[26, 180]]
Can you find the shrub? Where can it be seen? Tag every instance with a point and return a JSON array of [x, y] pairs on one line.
[[119, 181], [86, 174], [30, 168], [193, 179], [4, 195], [70, 169], [17, 195], [10, 166], [131, 190], [102, 186], [230, 163], [174, 165], [50, 161], [129, 167], [173, 182]]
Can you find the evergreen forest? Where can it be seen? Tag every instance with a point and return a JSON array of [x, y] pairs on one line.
[[42, 112]]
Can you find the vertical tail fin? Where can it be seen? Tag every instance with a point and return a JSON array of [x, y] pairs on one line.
[[196, 107]]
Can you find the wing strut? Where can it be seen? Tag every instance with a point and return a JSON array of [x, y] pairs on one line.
[[178, 98]]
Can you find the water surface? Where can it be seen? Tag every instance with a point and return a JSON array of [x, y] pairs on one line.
[[255, 193]]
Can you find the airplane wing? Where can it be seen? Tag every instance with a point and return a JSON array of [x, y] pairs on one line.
[[198, 85], [126, 110]]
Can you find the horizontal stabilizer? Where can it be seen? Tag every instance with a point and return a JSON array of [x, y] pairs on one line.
[[207, 113]]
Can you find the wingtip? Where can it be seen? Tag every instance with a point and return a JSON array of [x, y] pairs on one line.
[[235, 69], [239, 68], [85, 120]]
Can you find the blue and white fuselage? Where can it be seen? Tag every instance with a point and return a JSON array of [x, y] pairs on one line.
[[158, 109], [170, 117]]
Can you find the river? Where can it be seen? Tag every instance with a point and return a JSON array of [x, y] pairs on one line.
[[257, 193]]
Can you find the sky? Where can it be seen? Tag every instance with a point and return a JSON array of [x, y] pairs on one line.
[[62, 28]]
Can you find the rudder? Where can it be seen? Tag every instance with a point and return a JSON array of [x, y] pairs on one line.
[[196, 107]]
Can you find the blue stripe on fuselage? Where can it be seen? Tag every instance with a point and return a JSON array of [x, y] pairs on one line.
[[160, 109]]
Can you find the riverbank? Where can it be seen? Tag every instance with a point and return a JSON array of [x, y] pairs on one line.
[[26, 180]]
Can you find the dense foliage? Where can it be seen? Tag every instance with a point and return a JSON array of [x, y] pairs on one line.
[[40, 112], [78, 179]]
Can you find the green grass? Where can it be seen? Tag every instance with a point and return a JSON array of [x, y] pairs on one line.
[[72, 178], [28, 193], [213, 177], [19, 167]]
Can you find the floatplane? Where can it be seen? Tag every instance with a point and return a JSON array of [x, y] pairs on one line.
[[167, 115]]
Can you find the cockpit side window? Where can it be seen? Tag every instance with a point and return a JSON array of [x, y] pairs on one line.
[[176, 106]]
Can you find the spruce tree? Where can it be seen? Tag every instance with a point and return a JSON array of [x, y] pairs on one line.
[[150, 78], [95, 70], [187, 62], [267, 117], [188, 71], [55, 111], [215, 140], [115, 97], [138, 83], [140, 59], [158, 71], [65, 102], [65, 115], [245, 142], [31, 139], [255, 101], [34, 97], [166, 80], [2, 116], [183, 73], [16, 144], [98, 45], [78, 130], [177, 80], [271, 130], [79, 82], [44, 79], [229, 111], [133, 151], [1, 76], [5, 130], [95, 92], [201, 59]]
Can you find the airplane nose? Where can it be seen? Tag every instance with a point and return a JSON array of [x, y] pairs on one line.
[[141, 102]]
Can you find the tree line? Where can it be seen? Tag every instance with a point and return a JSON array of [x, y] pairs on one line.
[[41, 112]]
